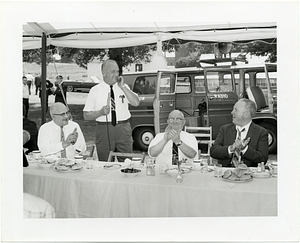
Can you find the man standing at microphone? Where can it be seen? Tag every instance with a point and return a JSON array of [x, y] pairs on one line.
[[107, 103]]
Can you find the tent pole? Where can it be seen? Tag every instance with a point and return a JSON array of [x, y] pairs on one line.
[[43, 79]]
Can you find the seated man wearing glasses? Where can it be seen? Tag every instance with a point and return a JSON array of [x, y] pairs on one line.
[[174, 142], [60, 136]]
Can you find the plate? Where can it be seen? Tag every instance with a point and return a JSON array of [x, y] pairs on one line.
[[111, 166], [68, 168], [238, 179], [175, 170], [261, 175]]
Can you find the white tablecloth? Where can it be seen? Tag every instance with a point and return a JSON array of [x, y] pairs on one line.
[[100, 193]]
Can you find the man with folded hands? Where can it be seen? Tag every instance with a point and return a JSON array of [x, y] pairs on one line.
[[61, 136], [174, 141], [251, 144]]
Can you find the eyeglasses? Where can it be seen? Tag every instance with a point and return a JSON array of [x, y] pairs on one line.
[[63, 114], [171, 119]]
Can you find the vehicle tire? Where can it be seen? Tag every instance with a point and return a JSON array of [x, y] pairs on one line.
[[272, 136], [70, 88], [143, 136]]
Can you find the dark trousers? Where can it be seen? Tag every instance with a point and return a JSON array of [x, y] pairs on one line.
[[113, 138], [37, 87], [29, 86], [26, 104]]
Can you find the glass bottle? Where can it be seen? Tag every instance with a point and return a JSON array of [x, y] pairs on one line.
[[179, 177], [258, 168], [262, 165]]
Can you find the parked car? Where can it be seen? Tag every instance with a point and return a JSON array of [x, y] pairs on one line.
[[81, 85], [206, 96]]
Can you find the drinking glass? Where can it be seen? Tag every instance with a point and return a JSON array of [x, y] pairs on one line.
[[204, 165], [89, 162], [218, 170]]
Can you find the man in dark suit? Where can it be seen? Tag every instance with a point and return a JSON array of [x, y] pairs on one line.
[[30, 133], [61, 91], [255, 150]]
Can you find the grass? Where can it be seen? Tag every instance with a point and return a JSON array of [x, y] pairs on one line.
[[65, 69]]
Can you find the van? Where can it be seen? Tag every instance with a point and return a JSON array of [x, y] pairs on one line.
[[205, 95]]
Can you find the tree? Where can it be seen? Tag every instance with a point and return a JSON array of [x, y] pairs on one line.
[[259, 48], [35, 56], [124, 56]]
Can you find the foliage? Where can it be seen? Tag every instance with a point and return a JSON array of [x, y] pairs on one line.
[[195, 50], [190, 61], [123, 56], [34, 56], [258, 48]]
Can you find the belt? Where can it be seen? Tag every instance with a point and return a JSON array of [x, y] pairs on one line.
[[118, 122]]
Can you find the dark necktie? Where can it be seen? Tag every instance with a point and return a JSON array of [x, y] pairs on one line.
[[62, 138], [174, 153], [113, 106]]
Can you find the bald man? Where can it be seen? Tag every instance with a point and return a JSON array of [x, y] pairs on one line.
[[252, 141], [162, 146], [113, 130], [50, 139]]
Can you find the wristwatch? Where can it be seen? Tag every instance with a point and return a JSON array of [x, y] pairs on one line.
[[179, 143]]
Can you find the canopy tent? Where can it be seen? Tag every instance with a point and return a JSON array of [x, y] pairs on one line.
[[115, 35], [100, 35]]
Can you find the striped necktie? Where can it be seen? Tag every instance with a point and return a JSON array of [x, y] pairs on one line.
[[240, 133], [174, 153], [113, 106], [63, 153]]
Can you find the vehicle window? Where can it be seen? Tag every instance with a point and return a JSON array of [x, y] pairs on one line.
[[145, 85], [262, 83], [247, 80], [183, 85], [199, 84], [219, 82], [167, 85]]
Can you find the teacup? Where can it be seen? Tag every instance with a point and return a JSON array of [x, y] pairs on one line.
[[136, 162], [197, 164], [78, 159], [37, 154], [273, 168]]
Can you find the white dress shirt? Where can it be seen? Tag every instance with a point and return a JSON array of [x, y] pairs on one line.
[[25, 91], [98, 96], [49, 139], [166, 155]]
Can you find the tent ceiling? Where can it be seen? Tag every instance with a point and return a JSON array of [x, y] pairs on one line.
[[113, 35]]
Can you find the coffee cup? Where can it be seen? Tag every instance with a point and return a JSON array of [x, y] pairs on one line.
[[136, 162], [37, 154], [78, 159], [197, 164]]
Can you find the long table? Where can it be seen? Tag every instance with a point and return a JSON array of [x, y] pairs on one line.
[[102, 193]]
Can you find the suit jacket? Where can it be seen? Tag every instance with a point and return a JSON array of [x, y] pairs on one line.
[[58, 94], [258, 148], [30, 126]]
